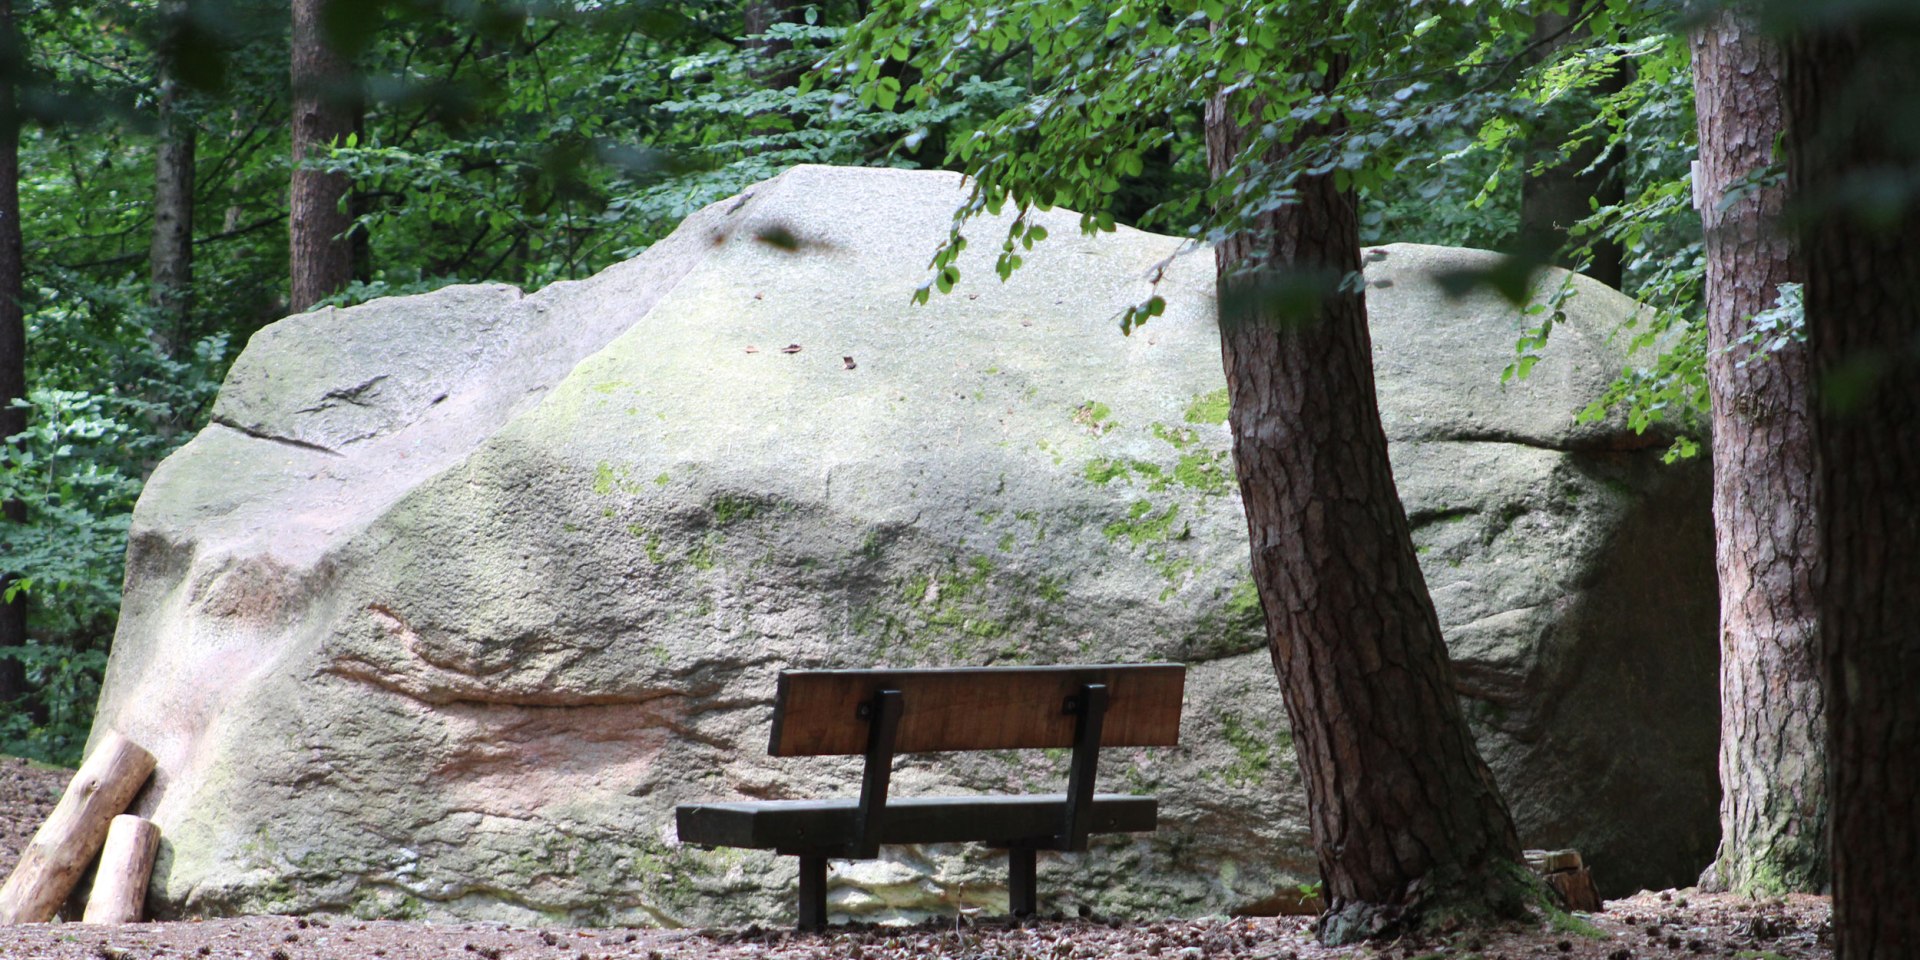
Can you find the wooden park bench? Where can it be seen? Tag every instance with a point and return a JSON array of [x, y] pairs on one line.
[[880, 713]]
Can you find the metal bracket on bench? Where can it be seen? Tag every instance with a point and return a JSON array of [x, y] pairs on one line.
[[882, 713], [1090, 706]]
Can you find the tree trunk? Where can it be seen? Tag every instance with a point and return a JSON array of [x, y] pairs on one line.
[[1772, 717], [237, 133], [1862, 254], [1558, 197], [13, 339], [171, 259], [756, 17], [325, 111], [1405, 815]]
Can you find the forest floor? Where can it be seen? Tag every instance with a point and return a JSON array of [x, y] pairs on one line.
[[1673, 923]]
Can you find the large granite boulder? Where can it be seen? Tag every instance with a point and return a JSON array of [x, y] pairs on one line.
[[460, 593]]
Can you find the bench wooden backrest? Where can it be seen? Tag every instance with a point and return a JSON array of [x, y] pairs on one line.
[[820, 712]]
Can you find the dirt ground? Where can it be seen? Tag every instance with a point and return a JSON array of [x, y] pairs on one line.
[[1674, 923]]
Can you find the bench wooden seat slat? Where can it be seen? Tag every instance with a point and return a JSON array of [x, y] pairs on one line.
[[976, 708], [804, 826]]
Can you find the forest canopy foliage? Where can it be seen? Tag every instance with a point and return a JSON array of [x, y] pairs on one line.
[[535, 142]]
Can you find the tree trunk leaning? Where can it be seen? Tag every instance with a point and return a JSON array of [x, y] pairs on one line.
[[1844, 82], [1773, 757], [1356, 643], [126, 862], [73, 833]]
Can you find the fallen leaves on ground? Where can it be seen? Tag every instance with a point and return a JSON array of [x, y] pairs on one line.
[[1644, 927], [1648, 926]]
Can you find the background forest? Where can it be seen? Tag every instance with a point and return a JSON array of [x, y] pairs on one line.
[[536, 142]]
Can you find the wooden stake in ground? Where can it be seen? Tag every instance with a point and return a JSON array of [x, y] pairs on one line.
[[74, 831], [120, 885]]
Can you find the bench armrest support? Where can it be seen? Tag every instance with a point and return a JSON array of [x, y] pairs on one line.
[[883, 718], [1091, 707]]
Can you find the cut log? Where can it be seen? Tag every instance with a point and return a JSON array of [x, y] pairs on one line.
[[120, 885], [73, 833], [1564, 871], [1576, 888], [1551, 861]]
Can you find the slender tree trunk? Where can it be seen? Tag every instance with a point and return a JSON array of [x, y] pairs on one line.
[[233, 216], [13, 337], [1862, 254], [1556, 198], [324, 113], [1405, 814], [756, 17], [171, 258], [1773, 807]]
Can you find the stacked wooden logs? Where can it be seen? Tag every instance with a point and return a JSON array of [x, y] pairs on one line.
[[1568, 876], [89, 820]]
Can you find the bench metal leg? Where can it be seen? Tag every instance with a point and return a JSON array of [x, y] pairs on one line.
[[1022, 900], [813, 894]]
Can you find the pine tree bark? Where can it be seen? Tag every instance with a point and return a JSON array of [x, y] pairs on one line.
[[1404, 812], [13, 338], [1772, 714], [324, 114], [1862, 256], [170, 260]]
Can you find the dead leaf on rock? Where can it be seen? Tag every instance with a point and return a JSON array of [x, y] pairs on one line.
[[790, 348], [848, 363], [752, 349]]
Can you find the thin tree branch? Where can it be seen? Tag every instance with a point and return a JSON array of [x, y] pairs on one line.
[[238, 145], [993, 66], [452, 71], [135, 257]]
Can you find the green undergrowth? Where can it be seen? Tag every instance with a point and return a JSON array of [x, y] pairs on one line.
[[34, 763], [1564, 922]]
